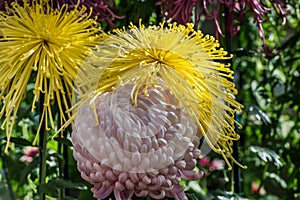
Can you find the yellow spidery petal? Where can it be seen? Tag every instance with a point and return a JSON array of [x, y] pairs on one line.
[[47, 46], [188, 62]]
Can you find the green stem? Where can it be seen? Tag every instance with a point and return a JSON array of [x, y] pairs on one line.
[[43, 155], [264, 177], [60, 170], [66, 165], [5, 170], [42, 150]]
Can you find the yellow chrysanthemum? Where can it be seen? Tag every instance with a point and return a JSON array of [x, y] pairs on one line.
[[47, 45], [185, 60]]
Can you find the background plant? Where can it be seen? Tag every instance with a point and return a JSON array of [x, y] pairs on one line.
[[269, 85]]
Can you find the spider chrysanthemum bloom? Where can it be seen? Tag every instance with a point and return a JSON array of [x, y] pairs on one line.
[[152, 93], [45, 45]]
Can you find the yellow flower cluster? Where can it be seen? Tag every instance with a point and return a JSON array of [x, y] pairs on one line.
[[188, 62], [47, 46]]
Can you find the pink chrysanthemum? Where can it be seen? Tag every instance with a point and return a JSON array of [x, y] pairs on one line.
[[145, 98], [143, 150], [103, 10], [184, 11]]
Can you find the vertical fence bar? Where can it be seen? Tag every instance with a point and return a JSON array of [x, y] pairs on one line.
[[236, 169]]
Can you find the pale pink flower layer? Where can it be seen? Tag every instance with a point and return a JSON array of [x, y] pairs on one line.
[[143, 150]]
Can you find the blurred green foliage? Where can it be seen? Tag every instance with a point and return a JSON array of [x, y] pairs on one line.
[[269, 88]]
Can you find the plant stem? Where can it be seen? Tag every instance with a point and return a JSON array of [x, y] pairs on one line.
[[5, 171], [43, 155], [60, 170], [65, 150], [66, 164], [42, 149], [264, 177]]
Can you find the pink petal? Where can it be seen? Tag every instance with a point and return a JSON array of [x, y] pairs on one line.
[[103, 192], [124, 195]]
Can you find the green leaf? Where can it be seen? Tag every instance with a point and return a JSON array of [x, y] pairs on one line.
[[48, 189], [28, 169], [280, 75], [31, 190], [55, 155], [244, 52], [259, 114], [277, 179], [69, 198], [19, 141], [269, 197], [195, 187], [65, 141], [51, 188], [225, 195], [267, 155], [60, 183], [195, 196]]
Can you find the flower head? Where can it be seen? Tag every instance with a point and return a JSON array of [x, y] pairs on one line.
[[46, 45], [182, 11], [101, 10], [29, 154], [146, 97], [256, 189], [144, 150], [217, 164], [205, 161], [185, 60]]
